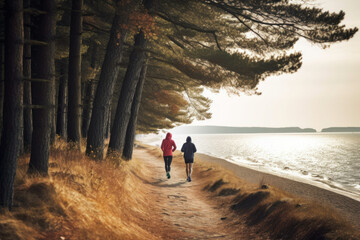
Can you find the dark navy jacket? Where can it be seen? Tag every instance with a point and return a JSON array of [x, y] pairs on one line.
[[188, 149]]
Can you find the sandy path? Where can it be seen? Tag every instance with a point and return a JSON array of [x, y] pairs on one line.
[[184, 207]]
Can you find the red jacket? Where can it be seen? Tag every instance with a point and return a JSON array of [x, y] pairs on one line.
[[168, 145]]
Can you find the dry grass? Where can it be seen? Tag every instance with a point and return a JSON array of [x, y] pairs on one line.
[[272, 211], [81, 199]]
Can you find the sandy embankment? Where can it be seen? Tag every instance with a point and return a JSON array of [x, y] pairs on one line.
[[347, 207]]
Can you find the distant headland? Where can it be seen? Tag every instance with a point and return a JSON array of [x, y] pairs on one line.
[[341, 129], [224, 130]]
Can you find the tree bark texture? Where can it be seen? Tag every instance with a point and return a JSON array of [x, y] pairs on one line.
[[108, 123], [1, 87], [53, 114], [131, 129], [61, 123], [87, 109], [123, 110], [105, 89], [89, 93], [42, 67], [27, 84], [14, 40], [74, 80]]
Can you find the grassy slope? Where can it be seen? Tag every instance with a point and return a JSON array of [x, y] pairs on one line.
[[83, 199]]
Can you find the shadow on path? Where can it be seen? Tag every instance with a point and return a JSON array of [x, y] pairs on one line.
[[160, 182]]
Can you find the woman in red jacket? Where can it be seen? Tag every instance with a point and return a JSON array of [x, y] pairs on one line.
[[168, 146]]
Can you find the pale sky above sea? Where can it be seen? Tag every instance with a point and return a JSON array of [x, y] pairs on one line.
[[325, 92]]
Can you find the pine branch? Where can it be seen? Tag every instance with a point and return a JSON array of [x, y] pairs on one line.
[[237, 17], [191, 26], [181, 84]]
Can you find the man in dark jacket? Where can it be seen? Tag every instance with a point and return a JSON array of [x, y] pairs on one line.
[[188, 149]]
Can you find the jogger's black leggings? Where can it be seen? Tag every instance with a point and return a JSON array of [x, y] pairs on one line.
[[168, 160]]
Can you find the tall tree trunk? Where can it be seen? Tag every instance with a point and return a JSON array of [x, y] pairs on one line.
[[53, 113], [89, 92], [123, 110], [42, 91], [89, 96], [105, 89], [13, 111], [74, 80], [61, 128], [62, 97], [27, 84], [1, 87], [130, 132]]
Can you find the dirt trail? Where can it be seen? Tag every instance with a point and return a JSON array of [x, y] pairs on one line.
[[184, 208]]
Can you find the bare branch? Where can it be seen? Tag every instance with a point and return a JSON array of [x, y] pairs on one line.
[[175, 41]]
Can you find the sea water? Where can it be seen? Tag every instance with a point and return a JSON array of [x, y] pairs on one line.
[[332, 159]]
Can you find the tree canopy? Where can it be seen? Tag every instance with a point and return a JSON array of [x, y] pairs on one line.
[[214, 44]]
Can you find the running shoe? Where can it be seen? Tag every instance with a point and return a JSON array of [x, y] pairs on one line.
[[189, 179]]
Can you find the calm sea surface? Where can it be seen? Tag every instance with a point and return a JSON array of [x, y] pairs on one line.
[[332, 159]]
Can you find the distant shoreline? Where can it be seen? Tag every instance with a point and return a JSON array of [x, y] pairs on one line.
[[341, 129], [227, 130], [234, 130]]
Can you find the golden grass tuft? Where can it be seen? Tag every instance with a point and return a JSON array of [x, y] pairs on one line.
[[80, 199]]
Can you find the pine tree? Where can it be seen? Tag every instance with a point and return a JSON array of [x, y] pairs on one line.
[[128, 88], [42, 68], [74, 79], [109, 73], [2, 33], [27, 84], [89, 88], [10, 143], [131, 128]]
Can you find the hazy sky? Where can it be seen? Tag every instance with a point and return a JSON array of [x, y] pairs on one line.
[[324, 92]]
